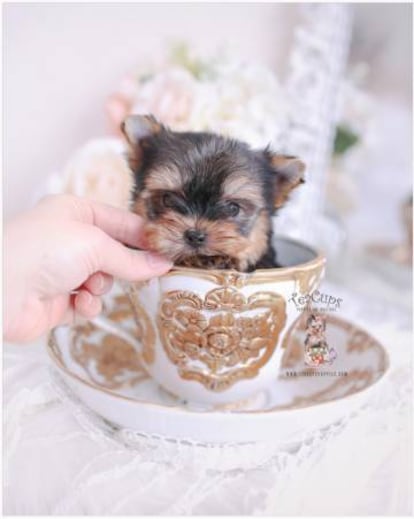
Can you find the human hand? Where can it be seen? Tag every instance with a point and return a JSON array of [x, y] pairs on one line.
[[65, 244]]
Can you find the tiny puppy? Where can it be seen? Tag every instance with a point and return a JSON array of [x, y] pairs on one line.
[[207, 200]]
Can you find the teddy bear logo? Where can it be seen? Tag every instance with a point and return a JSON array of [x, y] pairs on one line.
[[317, 350]]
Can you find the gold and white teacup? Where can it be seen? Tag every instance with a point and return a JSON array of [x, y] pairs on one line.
[[214, 336]]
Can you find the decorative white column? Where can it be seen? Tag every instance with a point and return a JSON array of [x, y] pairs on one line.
[[316, 66]]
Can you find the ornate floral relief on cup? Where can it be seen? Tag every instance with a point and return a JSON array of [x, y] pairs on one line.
[[216, 340], [109, 361]]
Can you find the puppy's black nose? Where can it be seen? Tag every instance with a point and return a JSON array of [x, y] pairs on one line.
[[194, 237]]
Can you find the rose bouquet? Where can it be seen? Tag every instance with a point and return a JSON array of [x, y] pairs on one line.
[[222, 94]]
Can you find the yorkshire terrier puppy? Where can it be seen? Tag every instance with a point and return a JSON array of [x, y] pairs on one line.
[[207, 200]]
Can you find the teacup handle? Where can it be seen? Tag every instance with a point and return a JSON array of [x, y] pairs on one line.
[[108, 326]]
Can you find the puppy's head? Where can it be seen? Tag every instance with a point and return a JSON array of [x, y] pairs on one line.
[[203, 195]]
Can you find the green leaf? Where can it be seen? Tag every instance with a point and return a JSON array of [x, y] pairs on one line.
[[345, 139], [180, 55]]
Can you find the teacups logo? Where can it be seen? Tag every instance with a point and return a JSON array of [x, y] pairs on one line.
[[316, 307], [317, 350], [317, 301]]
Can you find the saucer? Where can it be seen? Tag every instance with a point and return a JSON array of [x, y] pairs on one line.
[[105, 372]]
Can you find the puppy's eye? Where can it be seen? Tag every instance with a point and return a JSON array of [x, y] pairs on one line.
[[168, 200], [174, 202], [232, 209]]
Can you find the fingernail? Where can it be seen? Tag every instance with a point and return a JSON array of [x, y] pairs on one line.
[[104, 283], [100, 282], [157, 262]]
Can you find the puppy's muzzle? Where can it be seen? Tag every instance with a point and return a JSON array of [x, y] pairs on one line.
[[195, 238]]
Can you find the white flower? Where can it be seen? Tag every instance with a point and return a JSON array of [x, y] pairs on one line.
[[99, 171], [237, 99], [169, 96]]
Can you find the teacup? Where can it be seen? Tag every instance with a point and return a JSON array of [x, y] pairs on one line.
[[215, 336]]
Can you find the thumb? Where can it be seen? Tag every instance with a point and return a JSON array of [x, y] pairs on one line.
[[131, 265]]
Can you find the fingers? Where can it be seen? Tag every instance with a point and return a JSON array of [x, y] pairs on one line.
[[130, 265], [118, 261], [98, 284], [82, 304], [87, 304], [121, 225]]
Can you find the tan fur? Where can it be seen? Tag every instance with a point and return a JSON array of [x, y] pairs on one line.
[[284, 190], [241, 186], [166, 237], [291, 172], [139, 207], [164, 178], [223, 237], [257, 242], [280, 162]]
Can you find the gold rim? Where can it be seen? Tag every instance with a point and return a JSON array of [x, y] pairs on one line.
[[53, 349]]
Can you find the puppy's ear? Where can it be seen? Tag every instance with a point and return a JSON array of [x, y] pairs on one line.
[[137, 129], [288, 174]]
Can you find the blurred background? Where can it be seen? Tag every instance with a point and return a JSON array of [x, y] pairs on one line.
[[331, 83]]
